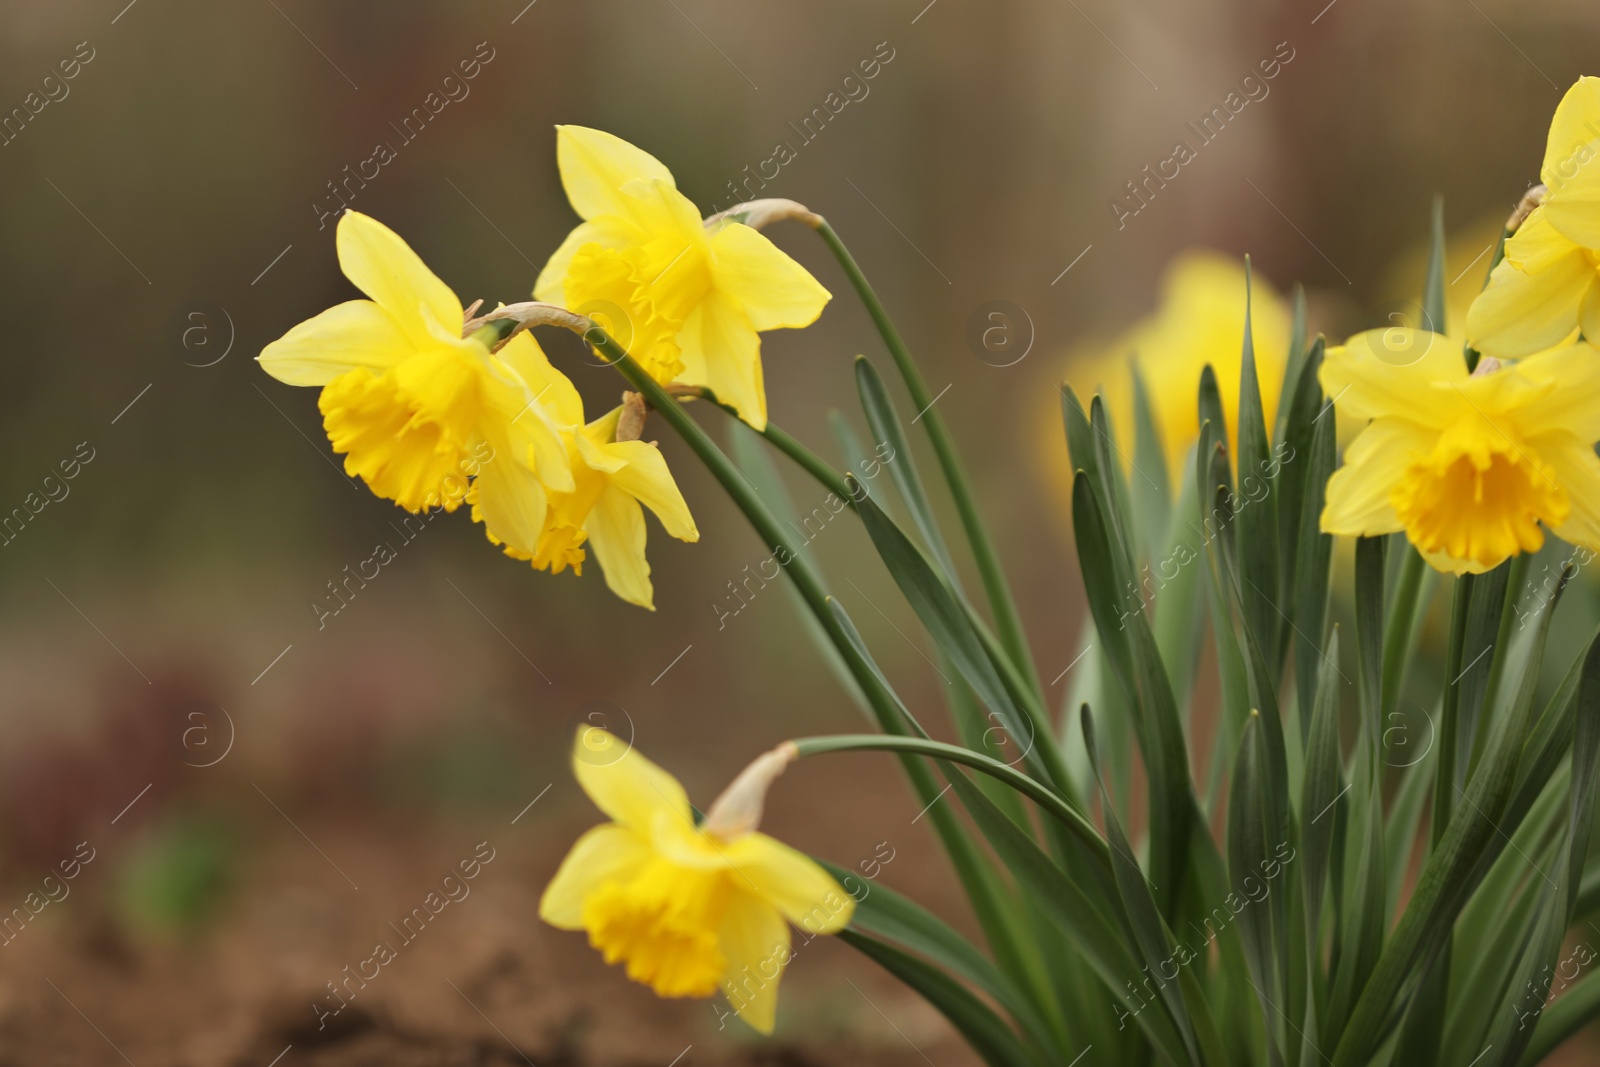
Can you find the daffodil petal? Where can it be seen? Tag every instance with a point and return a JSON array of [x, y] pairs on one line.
[[357, 333], [383, 266], [792, 882], [510, 498], [596, 447], [1589, 313], [1448, 564], [552, 390], [1389, 372], [755, 940], [1357, 502], [1577, 469], [625, 785], [774, 290], [658, 209], [595, 165], [1571, 170], [645, 477], [539, 402], [1565, 381], [604, 854], [1534, 295], [722, 351], [617, 535]]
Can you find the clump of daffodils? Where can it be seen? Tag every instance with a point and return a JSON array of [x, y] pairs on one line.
[[414, 400], [1467, 459]]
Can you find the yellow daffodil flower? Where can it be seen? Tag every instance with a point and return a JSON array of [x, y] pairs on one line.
[[416, 409], [1469, 466], [690, 909], [611, 480], [688, 303], [1548, 285]]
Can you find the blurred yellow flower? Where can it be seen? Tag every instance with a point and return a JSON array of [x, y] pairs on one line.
[[1548, 285], [686, 302], [690, 909], [416, 409], [1469, 466], [1200, 320]]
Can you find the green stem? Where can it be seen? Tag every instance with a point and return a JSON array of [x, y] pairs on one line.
[[1032, 788], [1025, 696], [1444, 768], [1399, 628], [790, 446], [986, 895], [1498, 657], [1007, 620]]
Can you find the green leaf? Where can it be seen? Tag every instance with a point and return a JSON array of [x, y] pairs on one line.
[[1444, 886], [1294, 365], [1149, 692], [856, 457], [1258, 514], [1149, 932], [750, 454], [1249, 850], [1089, 913], [1478, 652], [1323, 787], [885, 424], [886, 914], [1313, 560], [988, 1035], [1152, 489], [1365, 885], [1113, 486], [952, 629], [1211, 408], [1433, 302]]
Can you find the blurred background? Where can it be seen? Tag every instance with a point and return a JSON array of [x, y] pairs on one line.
[[263, 788]]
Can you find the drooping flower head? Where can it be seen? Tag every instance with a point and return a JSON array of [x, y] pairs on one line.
[[1548, 285], [689, 909], [687, 302], [613, 481], [418, 411], [1474, 468]]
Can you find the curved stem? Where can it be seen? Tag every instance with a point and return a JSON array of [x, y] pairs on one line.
[[1007, 620], [1032, 788], [1011, 677], [790, 446], [988, 897]]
